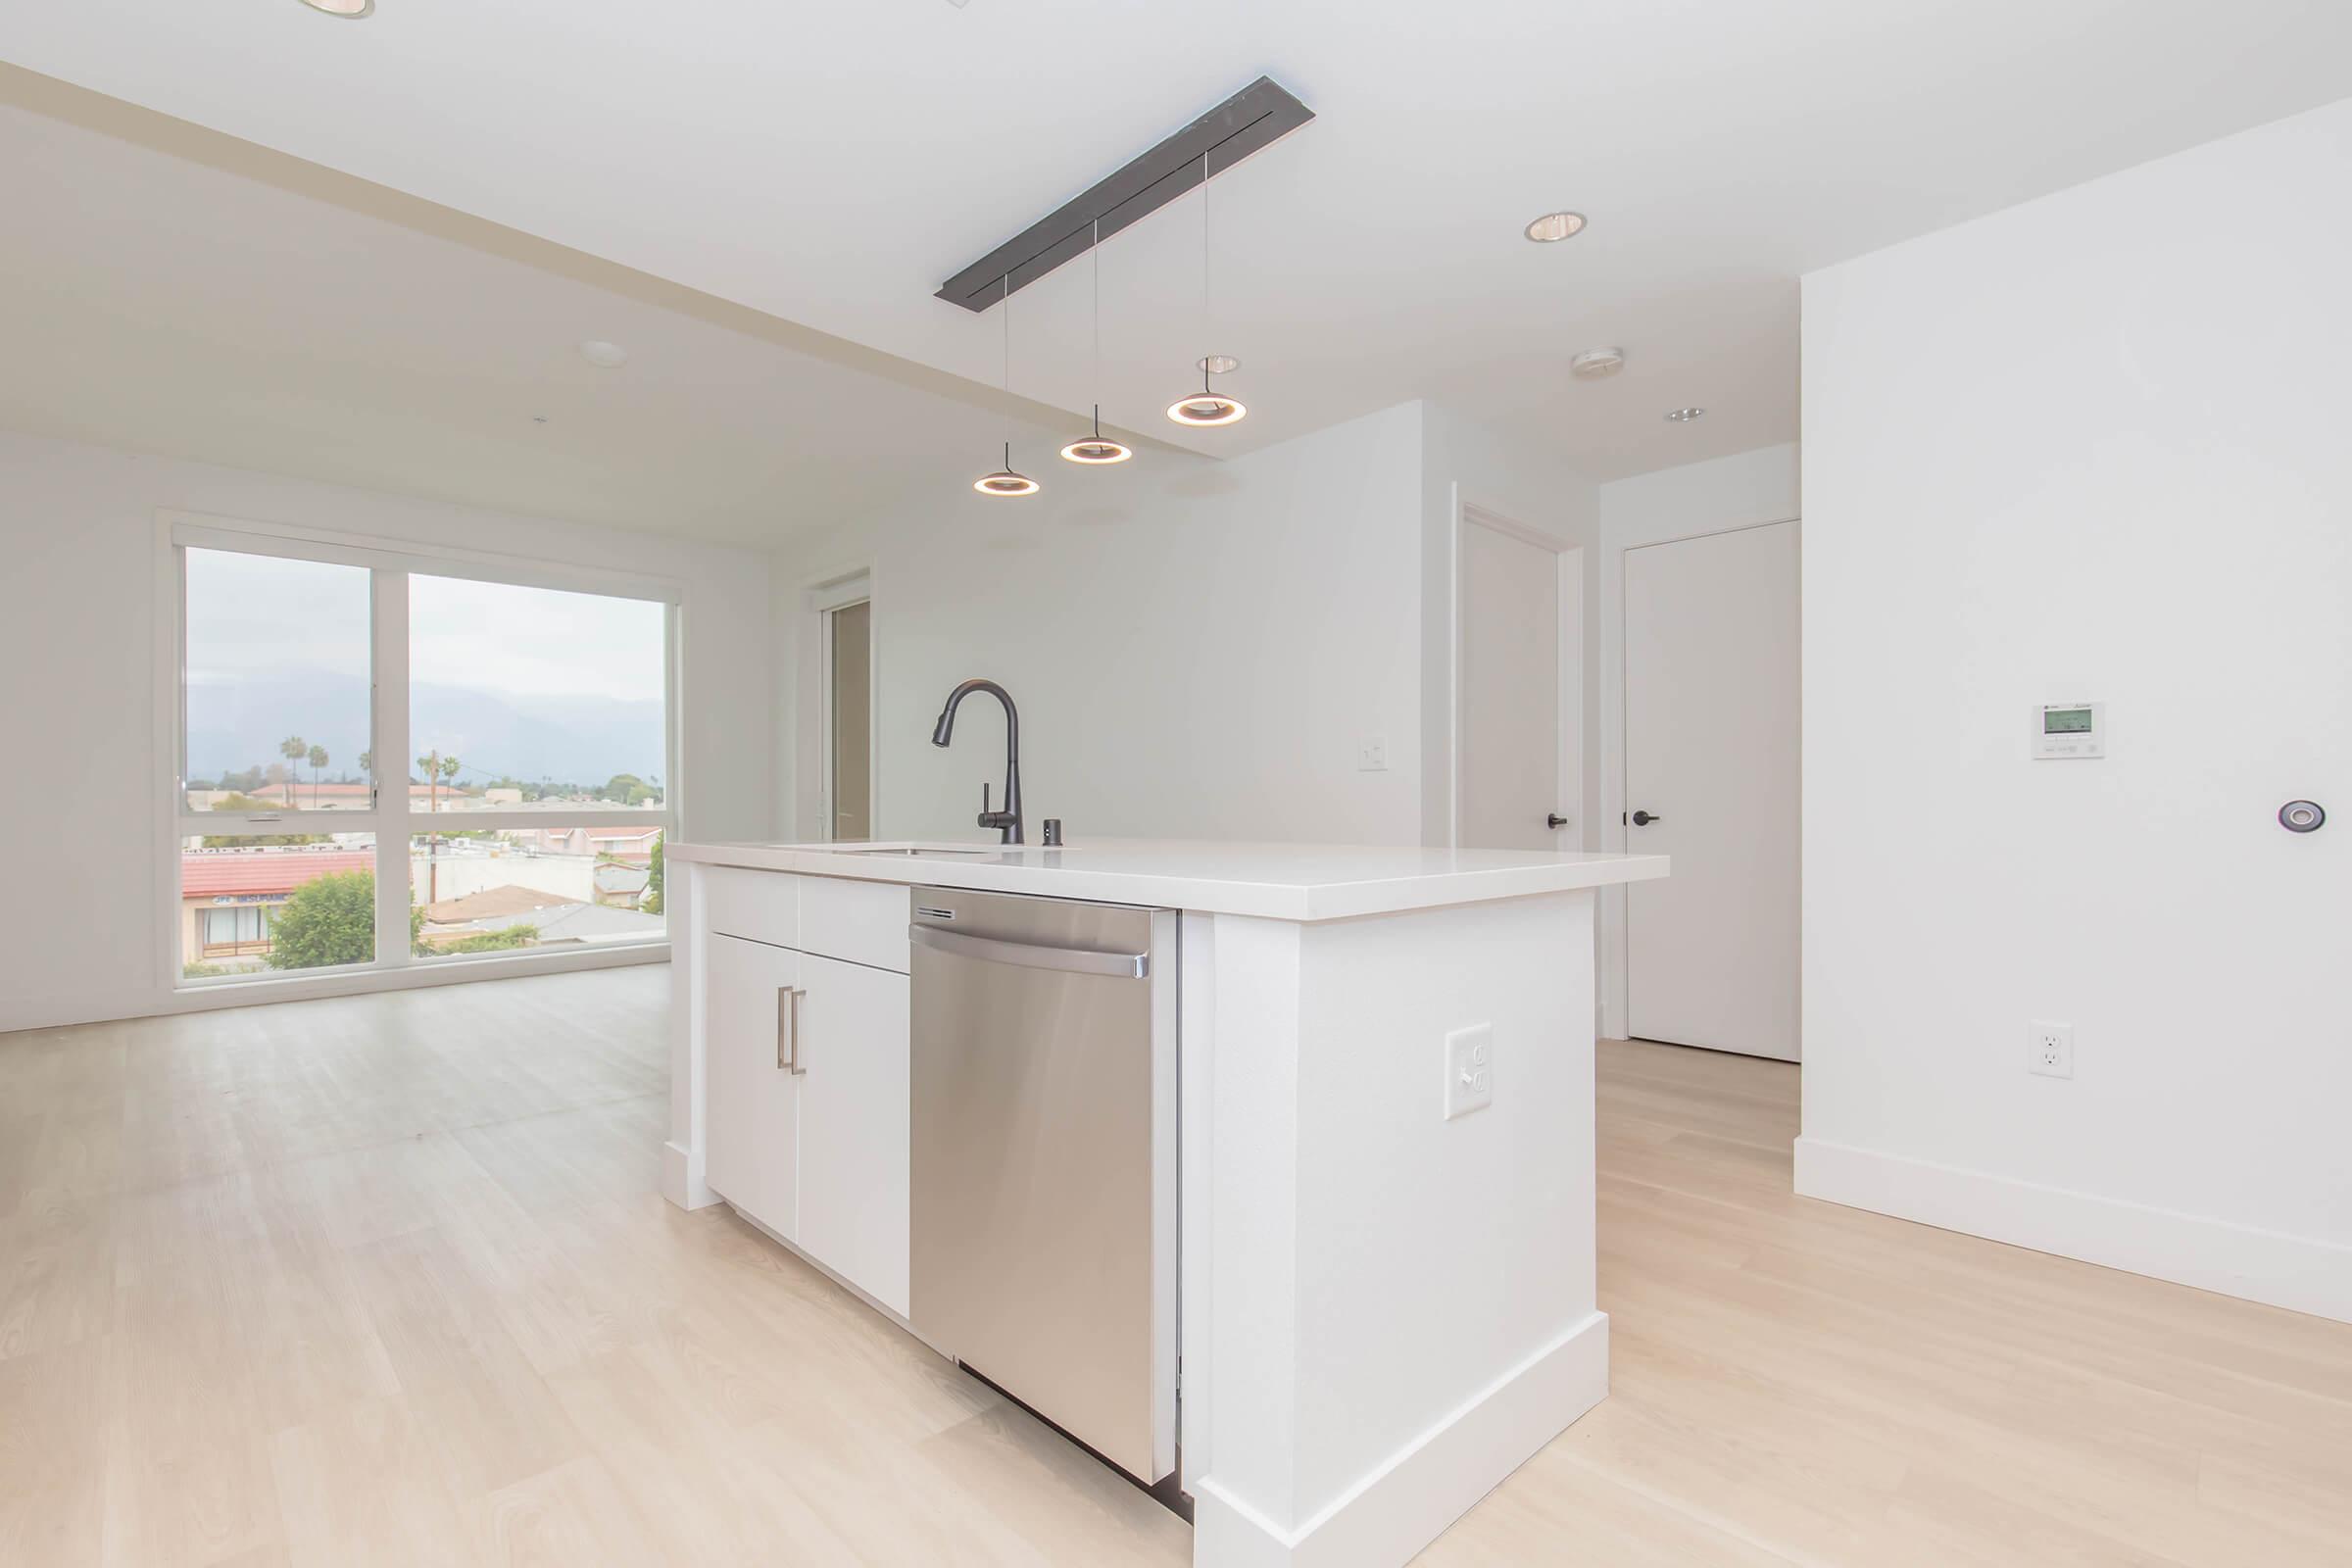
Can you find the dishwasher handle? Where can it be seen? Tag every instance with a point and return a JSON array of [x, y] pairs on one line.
[[1031, 955]]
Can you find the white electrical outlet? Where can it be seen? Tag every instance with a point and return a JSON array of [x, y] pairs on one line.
[[1372, 757], [2051, 1049], [1469, 1070]]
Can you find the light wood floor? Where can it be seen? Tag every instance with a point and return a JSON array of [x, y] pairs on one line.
[[387, 1280]]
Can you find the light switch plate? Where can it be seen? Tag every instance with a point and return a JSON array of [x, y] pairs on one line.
[[1372, 757], [1469, 1070]]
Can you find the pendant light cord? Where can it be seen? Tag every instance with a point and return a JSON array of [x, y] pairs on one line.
[[1007, 383], [1208, 316], [1097, 373]]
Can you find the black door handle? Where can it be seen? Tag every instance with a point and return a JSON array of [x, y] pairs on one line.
[[1555, 819], [1645, 819]]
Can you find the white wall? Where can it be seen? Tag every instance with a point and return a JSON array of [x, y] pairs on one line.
[[1685, 502], [2092, 447], [1199, 649], [79, 933]]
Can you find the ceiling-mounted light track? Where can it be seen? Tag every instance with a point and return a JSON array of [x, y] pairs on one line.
[[1257, 116]]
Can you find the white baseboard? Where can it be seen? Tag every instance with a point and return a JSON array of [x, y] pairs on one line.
[[2296, 1272], [682, 1178], [1406, 1503]]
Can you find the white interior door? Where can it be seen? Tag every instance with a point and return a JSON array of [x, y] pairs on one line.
[[1711, 779], [1520, 674]]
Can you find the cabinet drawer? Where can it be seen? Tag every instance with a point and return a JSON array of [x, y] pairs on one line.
[[864, 922], [760, 906]]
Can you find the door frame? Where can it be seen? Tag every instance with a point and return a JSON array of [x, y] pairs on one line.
[[1569, 633], [1616, 952], [813, 746]]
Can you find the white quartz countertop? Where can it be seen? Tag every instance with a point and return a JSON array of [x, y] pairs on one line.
[[1278, 881]]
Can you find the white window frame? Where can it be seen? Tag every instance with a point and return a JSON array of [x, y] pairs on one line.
[[391, 818]]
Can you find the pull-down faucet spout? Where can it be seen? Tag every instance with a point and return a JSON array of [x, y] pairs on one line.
[[1006, 822]]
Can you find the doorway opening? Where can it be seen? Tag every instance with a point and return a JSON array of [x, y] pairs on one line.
[[1518, 686], [836, 765]]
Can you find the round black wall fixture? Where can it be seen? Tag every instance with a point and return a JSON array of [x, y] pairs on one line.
[[2302, 816]]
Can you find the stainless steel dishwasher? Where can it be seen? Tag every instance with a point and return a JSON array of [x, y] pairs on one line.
[[1045, 1160]]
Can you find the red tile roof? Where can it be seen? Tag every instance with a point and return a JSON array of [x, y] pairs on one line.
[[228, 872]]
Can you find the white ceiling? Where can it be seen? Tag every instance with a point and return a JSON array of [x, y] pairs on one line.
[[175, 291], [828, 166]]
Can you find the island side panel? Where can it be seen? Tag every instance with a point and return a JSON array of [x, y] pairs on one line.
[[1414, 1312], [682, 1156]]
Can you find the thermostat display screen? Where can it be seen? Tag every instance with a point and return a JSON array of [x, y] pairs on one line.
[[2066, 721]]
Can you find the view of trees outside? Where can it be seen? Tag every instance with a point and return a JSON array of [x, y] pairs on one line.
[[520, 699]]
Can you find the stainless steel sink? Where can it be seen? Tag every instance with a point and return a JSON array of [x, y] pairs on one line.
[[911, 852]]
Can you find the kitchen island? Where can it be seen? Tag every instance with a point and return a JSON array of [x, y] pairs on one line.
[[1382, 1138]]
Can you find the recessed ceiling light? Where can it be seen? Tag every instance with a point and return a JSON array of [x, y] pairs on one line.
[[1217, 365], [348, 10], [1684, 415], [603, 355], [1594, 363], [1555, 225]]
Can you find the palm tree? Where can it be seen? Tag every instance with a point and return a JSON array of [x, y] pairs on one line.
[[429, 765], [293, 749], [317, 762], [435, 768]]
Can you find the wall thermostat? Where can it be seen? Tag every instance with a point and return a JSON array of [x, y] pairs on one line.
[[2070, 730]]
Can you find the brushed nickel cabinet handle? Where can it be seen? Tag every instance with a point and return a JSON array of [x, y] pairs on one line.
[[788, 1029]]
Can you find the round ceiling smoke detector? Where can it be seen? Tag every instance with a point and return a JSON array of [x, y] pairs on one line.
[[348, 10], [1594, 363], [1684, 415], [1555, 227], [603, 355]]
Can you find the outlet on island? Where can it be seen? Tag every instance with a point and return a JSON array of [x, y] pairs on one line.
[[1469, 1070]]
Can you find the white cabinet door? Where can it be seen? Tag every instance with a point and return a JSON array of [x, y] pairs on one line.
[[856, 1106], [751, 1134]]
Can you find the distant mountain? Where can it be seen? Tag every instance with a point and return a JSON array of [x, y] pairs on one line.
[[573, 739]]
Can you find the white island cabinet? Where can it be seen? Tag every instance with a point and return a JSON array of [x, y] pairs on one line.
[[1388, 1285], [806, 1061]]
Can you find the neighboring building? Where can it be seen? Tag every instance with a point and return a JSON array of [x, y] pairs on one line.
[[556, 920], [627, 842], [228, 899], [622, 884], [328, 796]]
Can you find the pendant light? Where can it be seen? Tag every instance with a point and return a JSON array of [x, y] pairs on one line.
[[1205, 407], [1097, 449], [1006, 481]]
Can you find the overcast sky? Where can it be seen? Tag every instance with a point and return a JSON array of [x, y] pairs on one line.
[[250, 614]]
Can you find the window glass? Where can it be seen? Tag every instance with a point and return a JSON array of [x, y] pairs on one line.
[[252, 905], [529, 698], [536, 887], [278, 695]]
